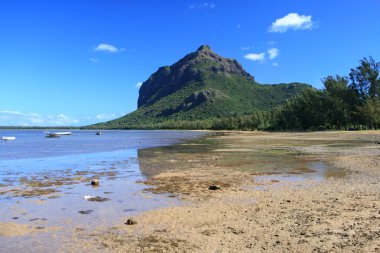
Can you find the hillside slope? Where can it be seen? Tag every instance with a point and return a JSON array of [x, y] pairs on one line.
[[200, 86]]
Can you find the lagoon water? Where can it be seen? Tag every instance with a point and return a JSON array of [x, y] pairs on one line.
[[43, 181], [33, 144]]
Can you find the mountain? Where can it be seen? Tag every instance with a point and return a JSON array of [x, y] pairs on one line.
[[200, 86]]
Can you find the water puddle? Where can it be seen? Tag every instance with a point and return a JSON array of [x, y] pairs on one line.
[[39, 201], [53, 193], [220, 153]]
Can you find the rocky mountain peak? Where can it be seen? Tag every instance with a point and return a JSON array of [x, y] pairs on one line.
[[194, 67], [204, 48]]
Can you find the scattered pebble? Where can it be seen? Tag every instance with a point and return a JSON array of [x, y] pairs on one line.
[[85, 212], [213, 187], [95, 182], [98, 199], [131, 221]]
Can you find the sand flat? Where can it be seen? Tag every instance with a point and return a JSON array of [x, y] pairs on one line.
[[298, 208], [247, 214]]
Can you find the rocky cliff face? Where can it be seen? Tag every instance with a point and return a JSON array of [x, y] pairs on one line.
[[202, 85], [194, 67]]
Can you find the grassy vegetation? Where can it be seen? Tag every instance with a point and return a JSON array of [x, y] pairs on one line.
[[225, 96], [201, 88], [345, 103]]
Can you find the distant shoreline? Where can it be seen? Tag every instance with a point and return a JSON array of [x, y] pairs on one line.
[[36, 127]]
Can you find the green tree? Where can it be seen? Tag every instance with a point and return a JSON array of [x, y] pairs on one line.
[[303, 112], [339, 101], [369, 113], [365, 79]]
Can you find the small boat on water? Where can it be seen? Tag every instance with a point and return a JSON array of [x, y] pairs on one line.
[[98, 133], [8, 138], [56, 134]]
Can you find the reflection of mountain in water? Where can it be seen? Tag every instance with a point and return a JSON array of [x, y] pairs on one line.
[[211, 153], [193, 152], [146, 162]]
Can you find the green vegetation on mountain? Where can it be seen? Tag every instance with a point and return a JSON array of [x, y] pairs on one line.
[[346, 103], [200, 90], [206, 91]]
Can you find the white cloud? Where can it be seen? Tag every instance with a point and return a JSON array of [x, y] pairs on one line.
[[104, 116], [245, 48], [275, 64], [273, 53], [138, 85], [262, 57], [203, 5], [292, 21], [255, 57], [272, 42], [13, 113], [103, 47], [94, 60], [15, 118]]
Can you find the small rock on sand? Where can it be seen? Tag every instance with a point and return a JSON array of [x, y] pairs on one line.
[[213, 187], [95, 182], [97, 198], [131, 221]]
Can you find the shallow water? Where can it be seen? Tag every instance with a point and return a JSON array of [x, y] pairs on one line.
[[33, 144], [43, 181], [61, 170], [257, 160]]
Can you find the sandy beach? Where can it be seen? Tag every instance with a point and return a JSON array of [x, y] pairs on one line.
[[315, 192]]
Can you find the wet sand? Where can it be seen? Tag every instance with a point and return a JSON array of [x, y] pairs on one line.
[[275, 192]]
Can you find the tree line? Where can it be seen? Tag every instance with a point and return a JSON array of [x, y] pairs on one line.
[[349, 102], [346, 103]]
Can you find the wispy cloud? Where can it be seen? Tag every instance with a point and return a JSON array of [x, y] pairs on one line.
[[204, 5], [292, 21], [275, 64], [138, 85], [94, 60], [105, 116], [273, 53], [255, 56], [272, 43], [245, 48], [15, 118], [103, 47]]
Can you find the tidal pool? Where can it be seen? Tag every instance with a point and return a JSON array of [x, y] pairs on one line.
[[46, 197]]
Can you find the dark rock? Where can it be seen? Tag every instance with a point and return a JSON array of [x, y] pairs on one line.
[[213, 187], [85, 212], [98, 199], [95, 182], [131, 221], [199, 86], [185, 70]]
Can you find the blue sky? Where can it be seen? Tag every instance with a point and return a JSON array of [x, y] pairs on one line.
[[76, 62]]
